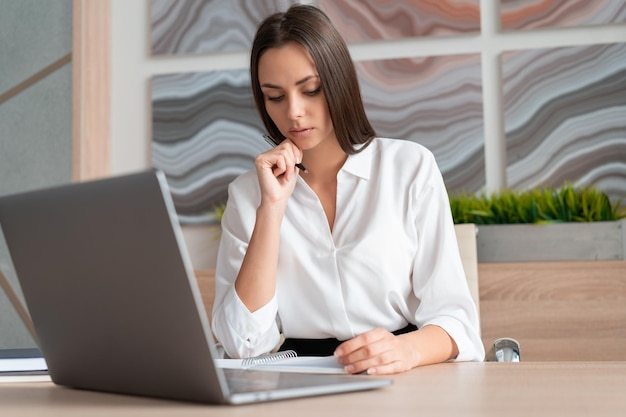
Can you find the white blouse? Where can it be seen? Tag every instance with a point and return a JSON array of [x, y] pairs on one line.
[[391, 259]]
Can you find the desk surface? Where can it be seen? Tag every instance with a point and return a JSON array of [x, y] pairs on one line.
[[451, 389]]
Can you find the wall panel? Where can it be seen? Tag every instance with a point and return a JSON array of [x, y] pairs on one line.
[[206, 26], [469, 46], [206, 132], [565, 112], [361, 21], [532, 14], [35, 118]]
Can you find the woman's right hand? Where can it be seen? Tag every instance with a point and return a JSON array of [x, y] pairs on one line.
[[277, 174], [277, 171]]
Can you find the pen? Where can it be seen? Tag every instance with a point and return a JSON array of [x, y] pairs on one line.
[[269, 140]]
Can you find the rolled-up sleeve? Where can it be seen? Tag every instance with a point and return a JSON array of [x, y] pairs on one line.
[[439, 280], [242, 333]]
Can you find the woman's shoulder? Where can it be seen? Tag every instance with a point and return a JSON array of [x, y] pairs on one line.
[[244, 194], [246, 184], [402, 150]]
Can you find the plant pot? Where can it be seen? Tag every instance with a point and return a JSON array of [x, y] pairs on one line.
[[552, 242]]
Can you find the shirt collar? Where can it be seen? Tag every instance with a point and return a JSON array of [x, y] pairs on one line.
[[360, 163]]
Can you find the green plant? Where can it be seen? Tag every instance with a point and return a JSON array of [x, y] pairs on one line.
[[218, 211], [538, 205]]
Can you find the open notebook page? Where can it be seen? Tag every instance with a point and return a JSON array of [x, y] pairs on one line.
[[307, 364]]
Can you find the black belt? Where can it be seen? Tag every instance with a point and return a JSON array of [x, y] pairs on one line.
[[325, 347]]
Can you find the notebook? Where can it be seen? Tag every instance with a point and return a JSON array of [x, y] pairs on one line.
[[286, 361], [114, 301], [22, 361]]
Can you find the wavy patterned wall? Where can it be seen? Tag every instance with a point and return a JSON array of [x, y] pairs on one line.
[[531, 14], [563, 107], [434, 101], [206, 129], [392, 19], [565, 113], [206, 132], [204, 26]]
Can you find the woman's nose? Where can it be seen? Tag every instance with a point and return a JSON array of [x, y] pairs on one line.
[[296, 109]]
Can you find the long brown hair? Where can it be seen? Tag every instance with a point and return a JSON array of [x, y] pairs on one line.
[[310, 27]]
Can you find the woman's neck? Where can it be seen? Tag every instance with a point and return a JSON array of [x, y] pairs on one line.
[[323, 162]]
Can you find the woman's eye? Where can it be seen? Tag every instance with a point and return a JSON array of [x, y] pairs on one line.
[[313, 92], [277, 98]]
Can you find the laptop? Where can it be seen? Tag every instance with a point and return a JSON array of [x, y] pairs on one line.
[[115, 303]]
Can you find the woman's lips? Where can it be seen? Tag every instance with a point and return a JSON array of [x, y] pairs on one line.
[[299, 133]]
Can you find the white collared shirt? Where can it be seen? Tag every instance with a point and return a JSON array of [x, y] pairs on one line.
[[391, 259]]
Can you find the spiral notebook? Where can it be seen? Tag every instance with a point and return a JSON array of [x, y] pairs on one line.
[[285, 361], [115, 303]]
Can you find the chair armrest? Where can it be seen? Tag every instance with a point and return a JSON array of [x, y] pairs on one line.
[[504, 349]]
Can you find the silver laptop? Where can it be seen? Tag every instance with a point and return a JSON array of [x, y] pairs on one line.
[[115, 303]]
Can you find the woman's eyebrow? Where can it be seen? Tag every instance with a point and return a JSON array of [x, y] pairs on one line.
[[305, 79], [299, 82]]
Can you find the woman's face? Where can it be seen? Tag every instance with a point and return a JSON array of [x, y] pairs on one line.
[[293, 95]]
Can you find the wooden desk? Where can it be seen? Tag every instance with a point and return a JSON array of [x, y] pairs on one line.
[[465, 389]]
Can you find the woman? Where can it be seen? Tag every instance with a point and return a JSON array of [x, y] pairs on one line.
[[356, 256]]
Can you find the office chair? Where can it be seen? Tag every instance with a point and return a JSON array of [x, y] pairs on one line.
[[504, 349]]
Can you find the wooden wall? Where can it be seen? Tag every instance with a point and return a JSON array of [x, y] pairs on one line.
[[556, 310]]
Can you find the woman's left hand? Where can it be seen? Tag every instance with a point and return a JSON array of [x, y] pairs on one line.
[[381, 352], [377, 352]]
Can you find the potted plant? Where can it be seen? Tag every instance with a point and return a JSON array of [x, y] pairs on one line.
[[544, 224]]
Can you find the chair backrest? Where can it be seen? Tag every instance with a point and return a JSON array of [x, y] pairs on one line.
[[466, 239], [206, 284]]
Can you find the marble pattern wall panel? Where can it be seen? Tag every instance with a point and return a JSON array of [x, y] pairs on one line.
[[434, 101], [359, 20], [206, 129], [565, 116], [531, 14], [205, 26], [205, 133]]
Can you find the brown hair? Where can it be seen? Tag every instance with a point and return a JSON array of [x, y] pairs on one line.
[[311, 28]]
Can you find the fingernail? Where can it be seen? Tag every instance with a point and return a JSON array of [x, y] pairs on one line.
[[338, 352], [349, 369], [371, 371]]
